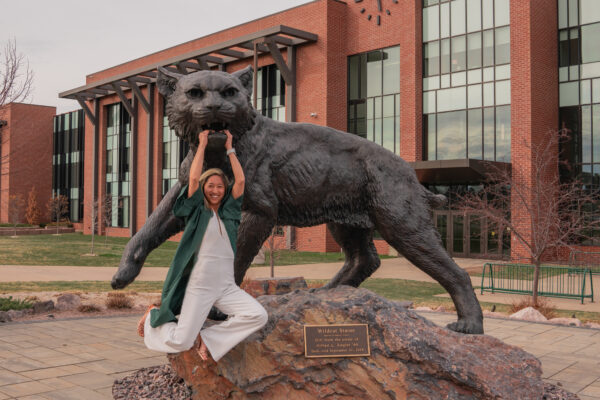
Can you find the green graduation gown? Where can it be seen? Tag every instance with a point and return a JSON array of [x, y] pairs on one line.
[[196, 217]]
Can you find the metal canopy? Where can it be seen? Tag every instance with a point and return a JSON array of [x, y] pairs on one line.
[[265, 41], [461, 171]]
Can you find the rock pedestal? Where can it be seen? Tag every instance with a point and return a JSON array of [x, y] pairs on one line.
[[262, 286], [410, 357]]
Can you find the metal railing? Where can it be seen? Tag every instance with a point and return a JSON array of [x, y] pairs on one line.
[[554, 281], [585, 259]]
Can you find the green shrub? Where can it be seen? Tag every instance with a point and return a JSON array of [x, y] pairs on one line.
[[8, 303]]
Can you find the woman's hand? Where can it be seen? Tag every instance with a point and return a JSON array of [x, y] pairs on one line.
[[203, 139], [229, 142]]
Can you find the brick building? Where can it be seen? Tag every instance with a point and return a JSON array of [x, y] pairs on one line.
[[450, 86], [26, 156]]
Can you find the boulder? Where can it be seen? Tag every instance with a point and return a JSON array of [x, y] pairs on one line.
[[592, 325], [529, 314], [68, 301], [411, 357], [43, 306], [262, 286], [5, 316]]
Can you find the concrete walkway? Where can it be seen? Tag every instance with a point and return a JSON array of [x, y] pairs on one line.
[[393, 268], [80, 359]]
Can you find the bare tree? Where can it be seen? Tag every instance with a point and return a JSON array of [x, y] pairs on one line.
[[93, 208], [551, 214], [32, 213], [58, 208], [16, 79], [15, 208], [107, 209]]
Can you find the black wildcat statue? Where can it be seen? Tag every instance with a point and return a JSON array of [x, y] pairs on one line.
[[302, 175]]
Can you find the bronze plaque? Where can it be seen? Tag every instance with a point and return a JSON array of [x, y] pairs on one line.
[[350, 340]]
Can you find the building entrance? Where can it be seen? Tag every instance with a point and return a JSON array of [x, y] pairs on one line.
[[469, 235]]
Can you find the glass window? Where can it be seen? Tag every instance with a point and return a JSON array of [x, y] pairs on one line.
[[596, 132], [452, 99], [391, 70], [354, 83], [589, 11], [590, 50], [563, 48], [445, 20], [445, 56], [488, 94], [458, 14], [585, 91], [573, 13], [569, 94], [474, 94], [502, 46], [474, 50], [563, 14], [586, 134], [430, 130], [431, 62], [374, 73], [431, 23], [503, 133], [473, 15], [502, 92], [429, 102], [459, 55], [451, 135], [488, 48], [596, 91], [475, 134], [488, 134], [488, 14], [502, 12]]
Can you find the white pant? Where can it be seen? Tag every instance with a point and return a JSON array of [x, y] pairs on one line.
[[211, 283]]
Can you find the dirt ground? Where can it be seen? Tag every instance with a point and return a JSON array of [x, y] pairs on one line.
[[140, 302]]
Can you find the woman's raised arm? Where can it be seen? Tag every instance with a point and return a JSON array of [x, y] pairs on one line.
[[197, 163], [238, 172]]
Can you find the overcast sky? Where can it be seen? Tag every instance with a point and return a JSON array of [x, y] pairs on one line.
[[65, 40]]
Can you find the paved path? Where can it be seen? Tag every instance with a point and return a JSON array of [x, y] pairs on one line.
[[80, 359], [393, 268]]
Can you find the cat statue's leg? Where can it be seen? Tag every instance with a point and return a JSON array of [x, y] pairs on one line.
[[160, 226], [253, 231]]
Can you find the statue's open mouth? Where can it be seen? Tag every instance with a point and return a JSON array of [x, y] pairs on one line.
[[215, 126]]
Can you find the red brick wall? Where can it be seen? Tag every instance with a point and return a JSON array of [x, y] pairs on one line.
[[534, 93], [26, 156]]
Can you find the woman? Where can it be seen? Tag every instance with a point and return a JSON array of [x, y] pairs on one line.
[[201, 274]]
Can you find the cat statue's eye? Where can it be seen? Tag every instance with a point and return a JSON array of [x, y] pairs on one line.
[[195, 93], [229, 92]]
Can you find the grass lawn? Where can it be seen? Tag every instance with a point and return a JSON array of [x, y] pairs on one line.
[[69, 249], [421, 293]]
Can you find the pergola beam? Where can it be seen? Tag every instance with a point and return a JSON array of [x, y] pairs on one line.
[[140, 96], [286, 73], [87, 110], [124, 100]]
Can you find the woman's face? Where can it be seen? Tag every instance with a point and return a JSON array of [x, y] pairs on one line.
[[214, 190]]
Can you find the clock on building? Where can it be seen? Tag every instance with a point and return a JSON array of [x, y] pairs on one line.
[[376, 9]]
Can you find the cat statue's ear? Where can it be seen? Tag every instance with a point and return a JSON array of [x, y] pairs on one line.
[[245, 76], [166, 81]]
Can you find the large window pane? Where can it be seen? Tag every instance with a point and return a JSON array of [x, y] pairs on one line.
[[452, 128], [596, 132], [431, 62], [586, 134], [452, 99], [590, 49], [445, 20], [431, 23], [563, 13], [488, 13], [473, 15], [502, 45], [474, 50], [475, 134], [502, 92], [374, 75], [568, 94], [502, 12], [391, 70], [430, 132], [488, 133], [573, 13], [353, 77], [459, 57], [445, 56], [457, 22], [488, 48], [574, 58], [589, 11], [474, 95], [503, 133], [563, 48]]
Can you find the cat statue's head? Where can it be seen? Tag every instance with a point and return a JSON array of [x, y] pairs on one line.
[[212, 100]]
